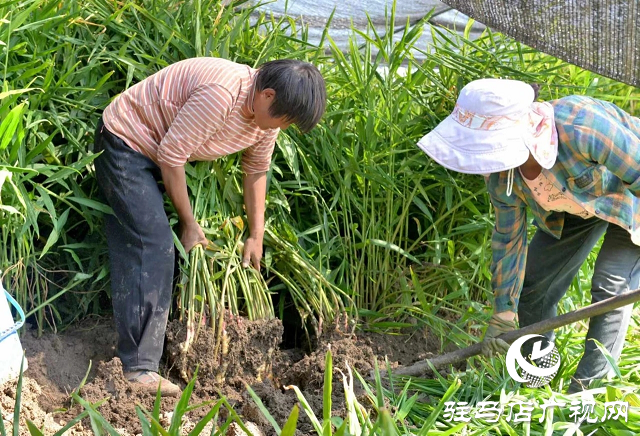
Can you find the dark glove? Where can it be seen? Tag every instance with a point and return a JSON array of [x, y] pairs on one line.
[[497, 326]]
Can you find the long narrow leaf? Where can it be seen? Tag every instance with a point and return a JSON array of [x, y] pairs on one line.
[[290, 426], [33, 429], [210, 416], [326, 397], [97, 420], [182, 405], [267, 415], [307, 409], [16, 410]]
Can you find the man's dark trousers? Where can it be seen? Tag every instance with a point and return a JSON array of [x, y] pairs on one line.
[[141, 250]]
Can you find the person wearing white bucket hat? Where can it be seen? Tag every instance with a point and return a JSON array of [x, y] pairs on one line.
[[574, 163], [494, 127]]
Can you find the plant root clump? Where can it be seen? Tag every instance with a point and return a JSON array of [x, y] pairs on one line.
[[246, 355]]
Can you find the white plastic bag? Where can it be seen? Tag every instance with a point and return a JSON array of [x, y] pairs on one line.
[[11, 352]]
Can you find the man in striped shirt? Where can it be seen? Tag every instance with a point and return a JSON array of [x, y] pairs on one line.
[[197, 109]]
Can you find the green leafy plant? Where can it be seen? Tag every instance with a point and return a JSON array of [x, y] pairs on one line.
[[358, 219]]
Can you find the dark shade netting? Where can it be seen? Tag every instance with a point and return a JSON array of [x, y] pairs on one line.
[[602, 36]]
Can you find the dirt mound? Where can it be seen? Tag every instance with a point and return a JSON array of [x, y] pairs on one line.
[[119, 409], [308, 373], [30, 407], [247, 352], [58, 363], [358, 351]]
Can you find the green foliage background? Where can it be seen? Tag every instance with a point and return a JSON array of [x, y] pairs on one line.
[[358, 218]]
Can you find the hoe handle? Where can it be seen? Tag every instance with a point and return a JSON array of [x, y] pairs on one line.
[[421, 368]]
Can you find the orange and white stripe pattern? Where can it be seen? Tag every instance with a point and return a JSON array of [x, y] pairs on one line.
[[196, 109]]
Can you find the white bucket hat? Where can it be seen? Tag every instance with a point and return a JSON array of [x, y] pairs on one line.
[[493, 127]]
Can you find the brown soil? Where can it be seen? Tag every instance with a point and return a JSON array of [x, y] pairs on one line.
[[58, 363], [247, 356]]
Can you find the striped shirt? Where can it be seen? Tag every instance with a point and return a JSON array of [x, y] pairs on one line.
[[597, 167], [196, 109]]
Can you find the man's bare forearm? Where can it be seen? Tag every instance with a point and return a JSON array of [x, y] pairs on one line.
[[175, 183], [255, 193]]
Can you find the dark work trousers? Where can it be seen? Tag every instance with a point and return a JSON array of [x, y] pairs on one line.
[[551, 266], [141, 252]]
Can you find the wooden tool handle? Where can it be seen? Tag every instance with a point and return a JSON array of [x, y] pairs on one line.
[[421, 368]]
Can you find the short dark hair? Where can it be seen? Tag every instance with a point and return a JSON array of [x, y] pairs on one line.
[[301, 94]]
